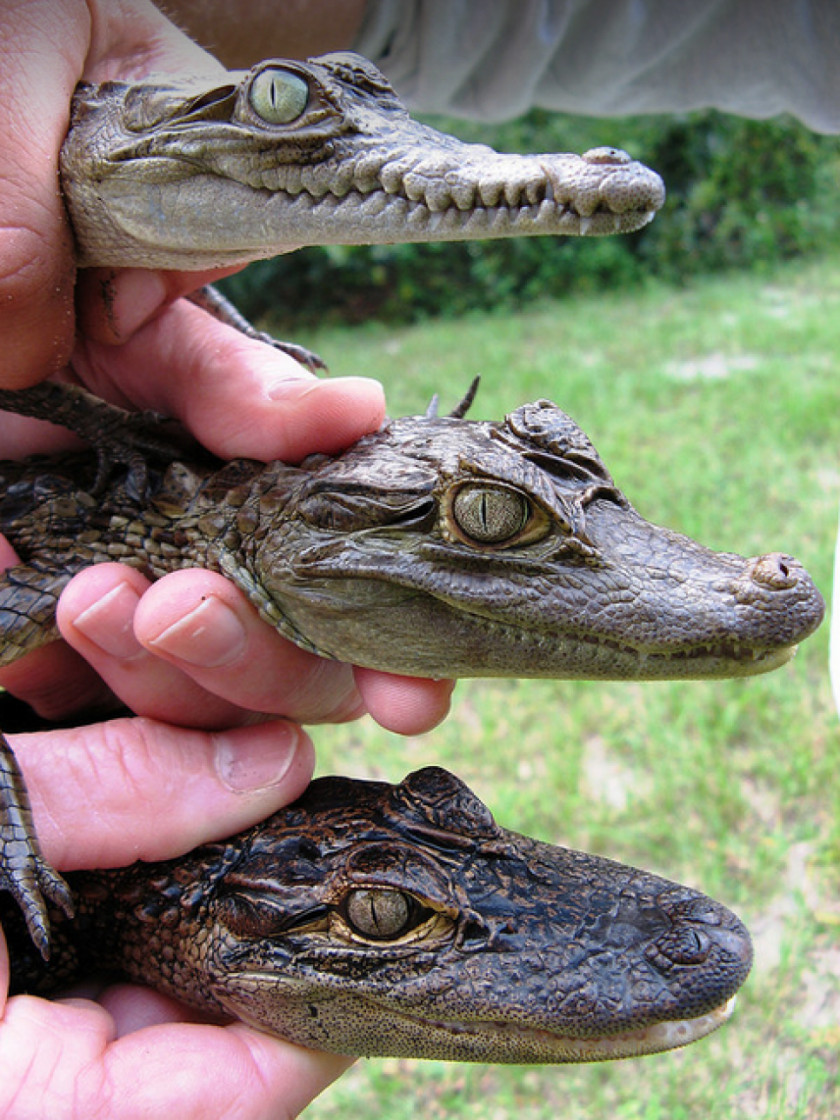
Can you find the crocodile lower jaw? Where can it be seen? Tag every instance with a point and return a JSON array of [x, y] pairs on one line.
[[420, 222]]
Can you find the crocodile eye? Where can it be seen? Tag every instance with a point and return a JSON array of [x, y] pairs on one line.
[[490, 514], [278, 96], [380, 914]]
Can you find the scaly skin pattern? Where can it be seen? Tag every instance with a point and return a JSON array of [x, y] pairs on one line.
[[504, 549], [191, 175], [371, 919]]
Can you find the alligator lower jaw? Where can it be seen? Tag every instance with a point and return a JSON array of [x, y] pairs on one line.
[[513, 1043]]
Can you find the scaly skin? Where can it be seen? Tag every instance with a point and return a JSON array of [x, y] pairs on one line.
[[503, 549], [191, 176], [371, 919]]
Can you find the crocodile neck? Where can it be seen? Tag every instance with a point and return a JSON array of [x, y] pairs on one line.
[[370, 919], [194, 175]]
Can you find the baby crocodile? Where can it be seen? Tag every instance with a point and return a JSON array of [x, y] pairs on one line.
[[197, 173], [371, 919], [503, 549]]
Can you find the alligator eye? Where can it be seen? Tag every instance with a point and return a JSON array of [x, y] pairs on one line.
[[490, 514], [278, 96], [379, 914]]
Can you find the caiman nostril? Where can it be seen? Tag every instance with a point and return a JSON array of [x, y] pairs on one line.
[[774, 571]]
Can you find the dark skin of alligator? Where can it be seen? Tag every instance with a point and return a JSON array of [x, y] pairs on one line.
[[371, 919], [504, 549]]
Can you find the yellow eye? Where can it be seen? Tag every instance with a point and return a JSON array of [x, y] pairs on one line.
[[490, 514], [278, 96], [379, 914]]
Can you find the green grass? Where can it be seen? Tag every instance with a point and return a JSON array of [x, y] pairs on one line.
[[717, 408]]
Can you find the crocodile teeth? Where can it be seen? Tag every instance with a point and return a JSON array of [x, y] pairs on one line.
[[463, 194], [490, 193]]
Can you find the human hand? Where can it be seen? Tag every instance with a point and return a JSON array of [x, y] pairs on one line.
[[144, 348], [137, 788], [121, 1050]]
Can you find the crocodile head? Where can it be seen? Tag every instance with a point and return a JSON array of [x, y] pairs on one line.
[[289, 154], [440, 546], [401, 920]]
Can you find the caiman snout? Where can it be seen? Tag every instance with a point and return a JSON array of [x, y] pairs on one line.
[[776, 571], [778, 581]]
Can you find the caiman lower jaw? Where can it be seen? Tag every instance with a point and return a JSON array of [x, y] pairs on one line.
[[701, 663], [514, 1043]]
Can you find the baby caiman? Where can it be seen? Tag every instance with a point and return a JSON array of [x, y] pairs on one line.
[[502, 548]]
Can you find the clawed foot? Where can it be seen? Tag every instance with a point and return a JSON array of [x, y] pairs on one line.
[[220, 307], [23, 871]]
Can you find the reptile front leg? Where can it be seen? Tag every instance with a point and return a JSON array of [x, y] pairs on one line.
[[210, 299], [23, 871]]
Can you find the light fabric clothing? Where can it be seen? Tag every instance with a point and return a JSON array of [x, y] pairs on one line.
[[494, 59]]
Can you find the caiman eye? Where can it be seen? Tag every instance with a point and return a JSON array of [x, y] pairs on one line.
[[380, 914], [278, 96], [490, 514]]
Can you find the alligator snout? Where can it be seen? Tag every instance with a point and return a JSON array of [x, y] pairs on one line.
[[699, 930]]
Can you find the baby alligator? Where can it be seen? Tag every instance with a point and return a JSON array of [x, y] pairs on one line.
[[373, 919], [503, 549]]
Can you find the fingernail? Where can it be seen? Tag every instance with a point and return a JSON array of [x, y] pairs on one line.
[[245, 763], [109, 623], [209, 636], [136, 295], [289, 386]]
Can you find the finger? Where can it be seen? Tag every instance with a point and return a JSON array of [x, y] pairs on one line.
[[36, 252], [407, 705], [54, 680], [95, 789], [57, 683], [61, 1059], [194, 650], [238, 396], [96, 616], [112, 304]]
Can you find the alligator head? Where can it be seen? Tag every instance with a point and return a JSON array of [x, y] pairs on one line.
[[290, 154], [402, 920]]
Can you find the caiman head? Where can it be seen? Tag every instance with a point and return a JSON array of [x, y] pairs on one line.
[[372, 919], [444, 547], [199, 174]]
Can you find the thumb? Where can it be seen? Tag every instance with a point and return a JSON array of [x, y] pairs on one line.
[[46, 46], [42, 52]]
